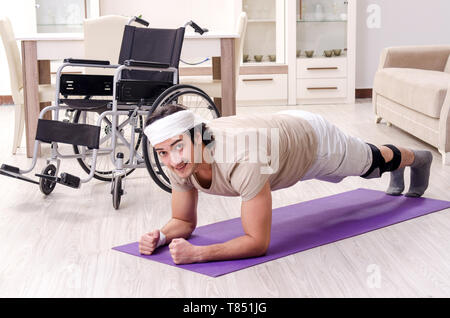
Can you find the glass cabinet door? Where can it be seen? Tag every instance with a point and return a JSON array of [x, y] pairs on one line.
[[264, 40], [64, 16], [321, 28]]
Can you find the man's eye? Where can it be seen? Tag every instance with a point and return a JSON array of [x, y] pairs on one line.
[[179, 146], [162, 153]]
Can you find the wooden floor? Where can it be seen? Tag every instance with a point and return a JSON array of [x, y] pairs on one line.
[[60, 245]]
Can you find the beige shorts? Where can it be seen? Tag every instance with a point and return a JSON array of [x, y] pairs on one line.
[[338, 155]]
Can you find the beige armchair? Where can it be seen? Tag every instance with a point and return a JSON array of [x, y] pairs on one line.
[[46, 91], [411, 90]]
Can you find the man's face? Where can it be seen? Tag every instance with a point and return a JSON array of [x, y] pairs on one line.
[[177, 154]]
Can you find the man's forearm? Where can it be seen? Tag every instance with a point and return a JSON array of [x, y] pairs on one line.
[[177, 228], [241, 247]]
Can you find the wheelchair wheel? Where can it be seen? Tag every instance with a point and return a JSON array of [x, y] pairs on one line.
[[104, 165], [46, 186], [195, 100], [116, 191]]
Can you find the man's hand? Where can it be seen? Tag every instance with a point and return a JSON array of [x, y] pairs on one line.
[[183, 252], [148, 242]]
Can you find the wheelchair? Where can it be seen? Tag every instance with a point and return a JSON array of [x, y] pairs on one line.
[[105, 114]]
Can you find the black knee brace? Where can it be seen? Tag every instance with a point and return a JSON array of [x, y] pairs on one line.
[[379, 165]]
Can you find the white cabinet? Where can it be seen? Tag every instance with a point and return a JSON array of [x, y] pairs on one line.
[[321, 80], [321, 67], [263, 79], [321, 89], [325, 35], [262, 89], [287, 29], [265, 35]]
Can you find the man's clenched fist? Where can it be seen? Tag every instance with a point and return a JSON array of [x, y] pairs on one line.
[[148, 242], [183, 252]]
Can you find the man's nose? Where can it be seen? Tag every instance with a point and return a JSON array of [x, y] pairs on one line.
[[175, 158]]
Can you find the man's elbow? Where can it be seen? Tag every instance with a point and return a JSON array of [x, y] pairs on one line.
[[192, 226], [261, 248]]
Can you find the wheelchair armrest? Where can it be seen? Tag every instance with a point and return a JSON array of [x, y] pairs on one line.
[[82, 61], [146, 64]]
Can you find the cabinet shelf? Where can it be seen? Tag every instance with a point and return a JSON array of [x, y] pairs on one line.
[[342, 56], [311, 21], [264, 63]]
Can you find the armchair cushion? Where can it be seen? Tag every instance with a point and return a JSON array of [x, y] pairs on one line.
[[421, 90]]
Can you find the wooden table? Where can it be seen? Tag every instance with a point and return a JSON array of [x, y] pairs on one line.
[[39, 49]]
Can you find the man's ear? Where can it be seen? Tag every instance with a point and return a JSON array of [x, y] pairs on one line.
[[198, 138]]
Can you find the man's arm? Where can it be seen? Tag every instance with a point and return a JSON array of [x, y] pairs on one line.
[[182, 224], [256, 216], [184, 215]]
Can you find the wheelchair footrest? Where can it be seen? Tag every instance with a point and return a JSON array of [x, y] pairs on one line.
[[14, 172], [12, 169], [70, 180], [65, 179]]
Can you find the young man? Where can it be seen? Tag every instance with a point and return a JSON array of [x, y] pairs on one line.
[[250, 156]]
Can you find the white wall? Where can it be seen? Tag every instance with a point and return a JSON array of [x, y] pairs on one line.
[[402, 22], [23, 19]]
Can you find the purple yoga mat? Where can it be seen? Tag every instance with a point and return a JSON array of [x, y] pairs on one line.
[[305, 225]]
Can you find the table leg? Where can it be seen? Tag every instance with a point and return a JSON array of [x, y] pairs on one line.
[[228, 76], [45, 78], [30, 93]]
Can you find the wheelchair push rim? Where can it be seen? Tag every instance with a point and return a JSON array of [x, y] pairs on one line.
[[104, 166]]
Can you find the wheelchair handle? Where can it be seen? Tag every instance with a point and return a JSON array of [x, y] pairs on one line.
[[138, 20], [196, 27], [141, 21]]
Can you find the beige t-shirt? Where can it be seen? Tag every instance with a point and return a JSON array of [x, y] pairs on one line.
[[241, 143]]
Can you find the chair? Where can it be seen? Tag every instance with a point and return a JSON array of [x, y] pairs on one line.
[[103, 39], [46, 91], [412, 91], [214, 87]]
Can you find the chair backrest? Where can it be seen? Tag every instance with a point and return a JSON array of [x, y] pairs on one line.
[[13, 58], [103, 39], [241, 30], [151, 45]]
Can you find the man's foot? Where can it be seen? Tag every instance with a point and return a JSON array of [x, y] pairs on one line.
[[397, 183], [420, 173]]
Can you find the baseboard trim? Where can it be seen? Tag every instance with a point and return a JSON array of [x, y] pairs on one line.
[[363, 93], [6, 100], [359, 93]]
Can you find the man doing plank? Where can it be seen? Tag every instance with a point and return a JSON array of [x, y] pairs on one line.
[[250, 156]]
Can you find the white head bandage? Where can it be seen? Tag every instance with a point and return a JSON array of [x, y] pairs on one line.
[[171, 126]]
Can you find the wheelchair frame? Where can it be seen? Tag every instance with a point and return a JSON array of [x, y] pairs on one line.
[[49, 176]]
